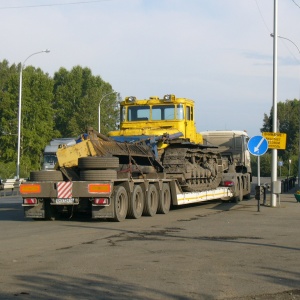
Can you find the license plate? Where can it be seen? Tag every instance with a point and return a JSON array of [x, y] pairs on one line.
[[64, 200]]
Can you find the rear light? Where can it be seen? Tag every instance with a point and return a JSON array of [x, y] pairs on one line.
[[101, 201], [30, 201], [228, 183], [99, 188], [26, 188]]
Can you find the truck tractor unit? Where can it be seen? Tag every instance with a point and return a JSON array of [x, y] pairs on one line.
[[233, 148], [49, 155], [156, 160]]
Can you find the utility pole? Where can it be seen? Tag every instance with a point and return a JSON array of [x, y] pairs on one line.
[[274, 151]]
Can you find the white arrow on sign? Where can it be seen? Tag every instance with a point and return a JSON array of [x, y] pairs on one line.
[[256, 149]]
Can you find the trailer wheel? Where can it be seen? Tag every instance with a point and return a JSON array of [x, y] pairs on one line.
[[120, 203], [50, 211], [240, 193], [151, 201], [91, 175], [164, 202], [45, 176], [98, 162], [136, 203], [247, 196]]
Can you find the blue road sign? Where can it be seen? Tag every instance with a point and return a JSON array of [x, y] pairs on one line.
[[258, 145]]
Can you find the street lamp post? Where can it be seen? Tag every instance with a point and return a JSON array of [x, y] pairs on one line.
[[20, 110], [274, 151], [99, 109]]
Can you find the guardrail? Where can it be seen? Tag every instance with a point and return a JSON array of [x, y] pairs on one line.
[[288, 183], [10, 186]]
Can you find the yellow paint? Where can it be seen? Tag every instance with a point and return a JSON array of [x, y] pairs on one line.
[[68, 157], [147, 123], [276, 140]]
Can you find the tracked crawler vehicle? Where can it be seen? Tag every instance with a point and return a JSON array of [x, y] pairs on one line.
[[181, 151]]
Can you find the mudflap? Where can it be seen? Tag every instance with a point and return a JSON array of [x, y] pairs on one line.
[[35, 212], [103, 212]]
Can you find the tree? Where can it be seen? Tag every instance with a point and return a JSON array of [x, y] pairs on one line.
[[76, 99], [63, 106], [9, 83], [37, 116], [288, 122], [288, 119], [265, 165]]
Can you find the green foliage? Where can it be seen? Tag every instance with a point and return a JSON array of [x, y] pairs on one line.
[[265, 165], [9, 81], [63, 106], [78, 92], [288, 116], [288, 122], [8, 169]]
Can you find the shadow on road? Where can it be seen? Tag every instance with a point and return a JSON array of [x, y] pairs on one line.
[[11, 211], [91, 286]]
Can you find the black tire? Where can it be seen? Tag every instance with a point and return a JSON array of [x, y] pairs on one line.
[[98, 162], [151, 201], [136, 203], [247, 196], [46, 176], [239, 197], [50, 211], [120, 199], [91, 175], [164, 202]]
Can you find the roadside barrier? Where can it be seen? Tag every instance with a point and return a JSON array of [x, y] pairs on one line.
[[288, 183], [10, 187]]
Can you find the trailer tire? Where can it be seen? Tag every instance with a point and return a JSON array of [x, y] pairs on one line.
[[120, 203], [45, 176], [136, 203], [239, 198], [94, 175], [98, 163], [151, 201], [164, 202], [50, 211], [247, 196]]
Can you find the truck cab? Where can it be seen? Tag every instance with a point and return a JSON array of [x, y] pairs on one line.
[[49, 155]]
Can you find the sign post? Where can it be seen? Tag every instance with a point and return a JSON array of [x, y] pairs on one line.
[[258, 146], [276, 140]]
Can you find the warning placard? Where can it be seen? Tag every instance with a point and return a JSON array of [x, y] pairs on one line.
[[276, 140]]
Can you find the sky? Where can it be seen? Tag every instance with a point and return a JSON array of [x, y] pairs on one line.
[[217, 52]]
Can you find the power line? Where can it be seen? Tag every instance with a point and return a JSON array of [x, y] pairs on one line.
[[262, 17], [296, 3], [280, 36], [53, 4]]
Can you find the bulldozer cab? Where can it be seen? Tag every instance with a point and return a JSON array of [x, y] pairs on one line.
[[155, 117]]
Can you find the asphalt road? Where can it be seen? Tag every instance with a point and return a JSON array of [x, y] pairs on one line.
[[208, 251]]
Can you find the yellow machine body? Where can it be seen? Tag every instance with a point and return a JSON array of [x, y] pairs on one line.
[[141, 119]]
